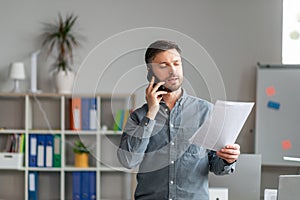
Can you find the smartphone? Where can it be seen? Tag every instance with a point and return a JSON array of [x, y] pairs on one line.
[[162, 87]]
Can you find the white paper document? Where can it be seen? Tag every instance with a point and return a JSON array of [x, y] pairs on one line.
[[223, 125]]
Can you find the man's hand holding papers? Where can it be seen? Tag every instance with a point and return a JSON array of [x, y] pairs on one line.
[[229, 153]]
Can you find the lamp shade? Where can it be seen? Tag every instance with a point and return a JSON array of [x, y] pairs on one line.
[[17, 71]]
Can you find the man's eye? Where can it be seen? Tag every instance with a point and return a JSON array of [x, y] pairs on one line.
[[163, 66]]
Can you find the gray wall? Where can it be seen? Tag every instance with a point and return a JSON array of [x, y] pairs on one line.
[[235, 33]]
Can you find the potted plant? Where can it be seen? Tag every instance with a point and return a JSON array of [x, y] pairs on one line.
[[60, 40], [81, 154]]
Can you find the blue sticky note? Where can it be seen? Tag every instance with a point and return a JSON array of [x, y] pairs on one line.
[[274, 105]]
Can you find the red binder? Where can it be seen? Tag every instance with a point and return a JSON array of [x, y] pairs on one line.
[[75, 114]]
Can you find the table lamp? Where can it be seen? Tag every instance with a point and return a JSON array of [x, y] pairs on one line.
[[17, 73]]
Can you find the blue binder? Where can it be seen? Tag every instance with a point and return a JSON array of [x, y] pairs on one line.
[[49, 151], [76, 186], [32, 185], [93, 114], [41, 139], [92, 178], [85, 122], [32, 150], [85, 188]]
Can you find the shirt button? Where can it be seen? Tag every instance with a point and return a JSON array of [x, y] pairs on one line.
[[171, 182], [166, 110], [172, 143], [172, 125], [170, 199], [146, 123], [172, 162]]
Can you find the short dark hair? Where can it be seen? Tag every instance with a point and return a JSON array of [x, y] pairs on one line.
[[157, 47]]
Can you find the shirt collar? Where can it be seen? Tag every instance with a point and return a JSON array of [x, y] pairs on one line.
[[181, 98]]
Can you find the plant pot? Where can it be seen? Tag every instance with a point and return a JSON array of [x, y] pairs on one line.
[[64, 81], [81, 160]]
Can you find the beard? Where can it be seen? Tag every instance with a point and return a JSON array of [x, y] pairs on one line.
[[173, 86]]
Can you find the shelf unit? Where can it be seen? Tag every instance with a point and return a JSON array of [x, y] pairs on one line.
[[48, 113]]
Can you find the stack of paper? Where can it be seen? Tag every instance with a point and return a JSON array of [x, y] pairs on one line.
[[223, 125]]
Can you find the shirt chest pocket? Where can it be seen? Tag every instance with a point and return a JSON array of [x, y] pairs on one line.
[[195, 152]]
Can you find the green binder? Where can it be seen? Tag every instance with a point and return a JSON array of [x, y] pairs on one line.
[[57, 150]]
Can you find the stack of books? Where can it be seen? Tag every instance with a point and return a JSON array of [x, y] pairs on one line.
[[121, 117]]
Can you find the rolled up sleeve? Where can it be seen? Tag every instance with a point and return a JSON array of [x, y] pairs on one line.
[[218, 166]]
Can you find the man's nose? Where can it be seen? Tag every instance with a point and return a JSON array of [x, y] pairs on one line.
[[172, 69]]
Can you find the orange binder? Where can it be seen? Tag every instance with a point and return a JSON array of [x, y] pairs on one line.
[[75, 114]]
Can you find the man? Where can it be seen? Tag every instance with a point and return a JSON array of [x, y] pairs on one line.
[[156, 136]]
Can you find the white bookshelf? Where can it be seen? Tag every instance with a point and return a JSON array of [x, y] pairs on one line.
[[48, 113]]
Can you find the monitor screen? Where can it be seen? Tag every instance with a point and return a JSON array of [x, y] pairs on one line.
[[289, 187], [244, 183]]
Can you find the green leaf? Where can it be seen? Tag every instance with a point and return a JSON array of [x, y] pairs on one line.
[[60, 39]]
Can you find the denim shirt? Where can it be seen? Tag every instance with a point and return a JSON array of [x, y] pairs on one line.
[[169, 166]]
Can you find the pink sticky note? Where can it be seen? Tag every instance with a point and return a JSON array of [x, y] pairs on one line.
[[270, 91], [286, 144]]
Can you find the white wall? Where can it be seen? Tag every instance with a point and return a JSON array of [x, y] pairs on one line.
[[236, 34]]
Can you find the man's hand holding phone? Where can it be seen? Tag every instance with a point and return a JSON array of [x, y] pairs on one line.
[[153, 97]]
